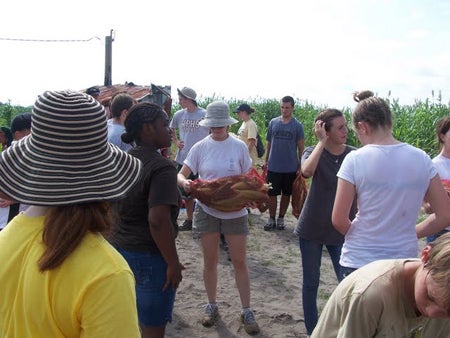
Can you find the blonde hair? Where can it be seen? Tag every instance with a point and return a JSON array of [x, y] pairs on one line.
[[438, 264]]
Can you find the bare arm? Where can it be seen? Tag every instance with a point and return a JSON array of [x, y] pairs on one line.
[[310, 165], [300, 148], [251, 144], [163, 234], [179, 143], [182, 181], [343, 201], [174, 135], [267, 152], [440, 204]]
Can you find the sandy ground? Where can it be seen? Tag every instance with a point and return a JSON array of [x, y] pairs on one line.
[[275, 274]]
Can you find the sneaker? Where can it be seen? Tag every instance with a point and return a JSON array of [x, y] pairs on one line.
[[186, 226], [280, 223], [195, 235], [210, 314], [270, 225], [248, 319]]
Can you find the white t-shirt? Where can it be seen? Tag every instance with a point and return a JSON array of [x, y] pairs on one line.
[[391, 182], [214, 159], [442, 164]]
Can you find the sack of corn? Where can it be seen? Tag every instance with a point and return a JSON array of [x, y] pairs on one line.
[[299, 192], [232, 193], [446, 184]]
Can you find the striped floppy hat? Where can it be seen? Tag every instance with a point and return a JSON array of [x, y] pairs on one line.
[[66, 159]]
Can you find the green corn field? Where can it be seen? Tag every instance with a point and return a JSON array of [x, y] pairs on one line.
[[414, 124]]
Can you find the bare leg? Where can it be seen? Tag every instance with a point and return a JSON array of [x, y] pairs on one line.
[[237, 247], [284, 204], [153, 332], [272, 206], [210, 245], [189, 208]]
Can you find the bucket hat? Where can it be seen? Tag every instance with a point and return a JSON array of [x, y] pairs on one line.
[[188, 93], [244, 107], [67, 158], [217, 115]]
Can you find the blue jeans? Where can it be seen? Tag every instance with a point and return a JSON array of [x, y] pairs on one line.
[[431, 238], [155, 307], [345, 271], [311, 253]]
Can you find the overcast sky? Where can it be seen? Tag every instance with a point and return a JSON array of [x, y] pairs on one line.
[[318, 50]]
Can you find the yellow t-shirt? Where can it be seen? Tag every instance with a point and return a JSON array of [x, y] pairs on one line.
[[91, 294], [249, 130]]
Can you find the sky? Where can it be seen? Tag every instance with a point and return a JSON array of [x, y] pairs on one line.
[[319, 51]]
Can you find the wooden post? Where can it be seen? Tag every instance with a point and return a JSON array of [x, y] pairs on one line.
[[108, 58]]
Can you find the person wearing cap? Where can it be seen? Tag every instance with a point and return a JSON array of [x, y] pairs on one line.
[[209, 222], [248, 130], [21, 126], [285, 143], [120, 104], [59, 276], [94, 91], [147, 225], [186, 122]]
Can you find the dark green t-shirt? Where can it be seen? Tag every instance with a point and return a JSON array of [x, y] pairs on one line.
[[158, 186]]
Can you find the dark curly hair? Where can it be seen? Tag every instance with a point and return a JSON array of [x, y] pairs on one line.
[[140, 113]]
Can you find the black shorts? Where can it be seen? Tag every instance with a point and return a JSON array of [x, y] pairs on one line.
[[281, 183]]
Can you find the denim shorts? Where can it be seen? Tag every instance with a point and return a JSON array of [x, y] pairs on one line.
[[206, 223], [154, 306]]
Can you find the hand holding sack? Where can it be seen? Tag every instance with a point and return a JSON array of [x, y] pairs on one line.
[[232, 193], [446, 184], [299, 192]]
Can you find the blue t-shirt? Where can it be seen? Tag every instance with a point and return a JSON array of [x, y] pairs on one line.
[[283, 138], [115, 132]]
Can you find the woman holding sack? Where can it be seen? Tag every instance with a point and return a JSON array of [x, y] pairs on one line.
[[314, 228], [210, 223]]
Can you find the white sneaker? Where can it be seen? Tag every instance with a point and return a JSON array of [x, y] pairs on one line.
[[210, 314], [248, 319]]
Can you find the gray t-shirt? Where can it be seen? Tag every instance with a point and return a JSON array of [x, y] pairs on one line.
[[315, 223], [190, 132]]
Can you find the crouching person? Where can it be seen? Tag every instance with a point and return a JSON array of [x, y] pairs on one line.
[[393, 298]]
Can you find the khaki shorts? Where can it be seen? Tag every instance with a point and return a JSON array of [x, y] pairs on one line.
[[205, 223]]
